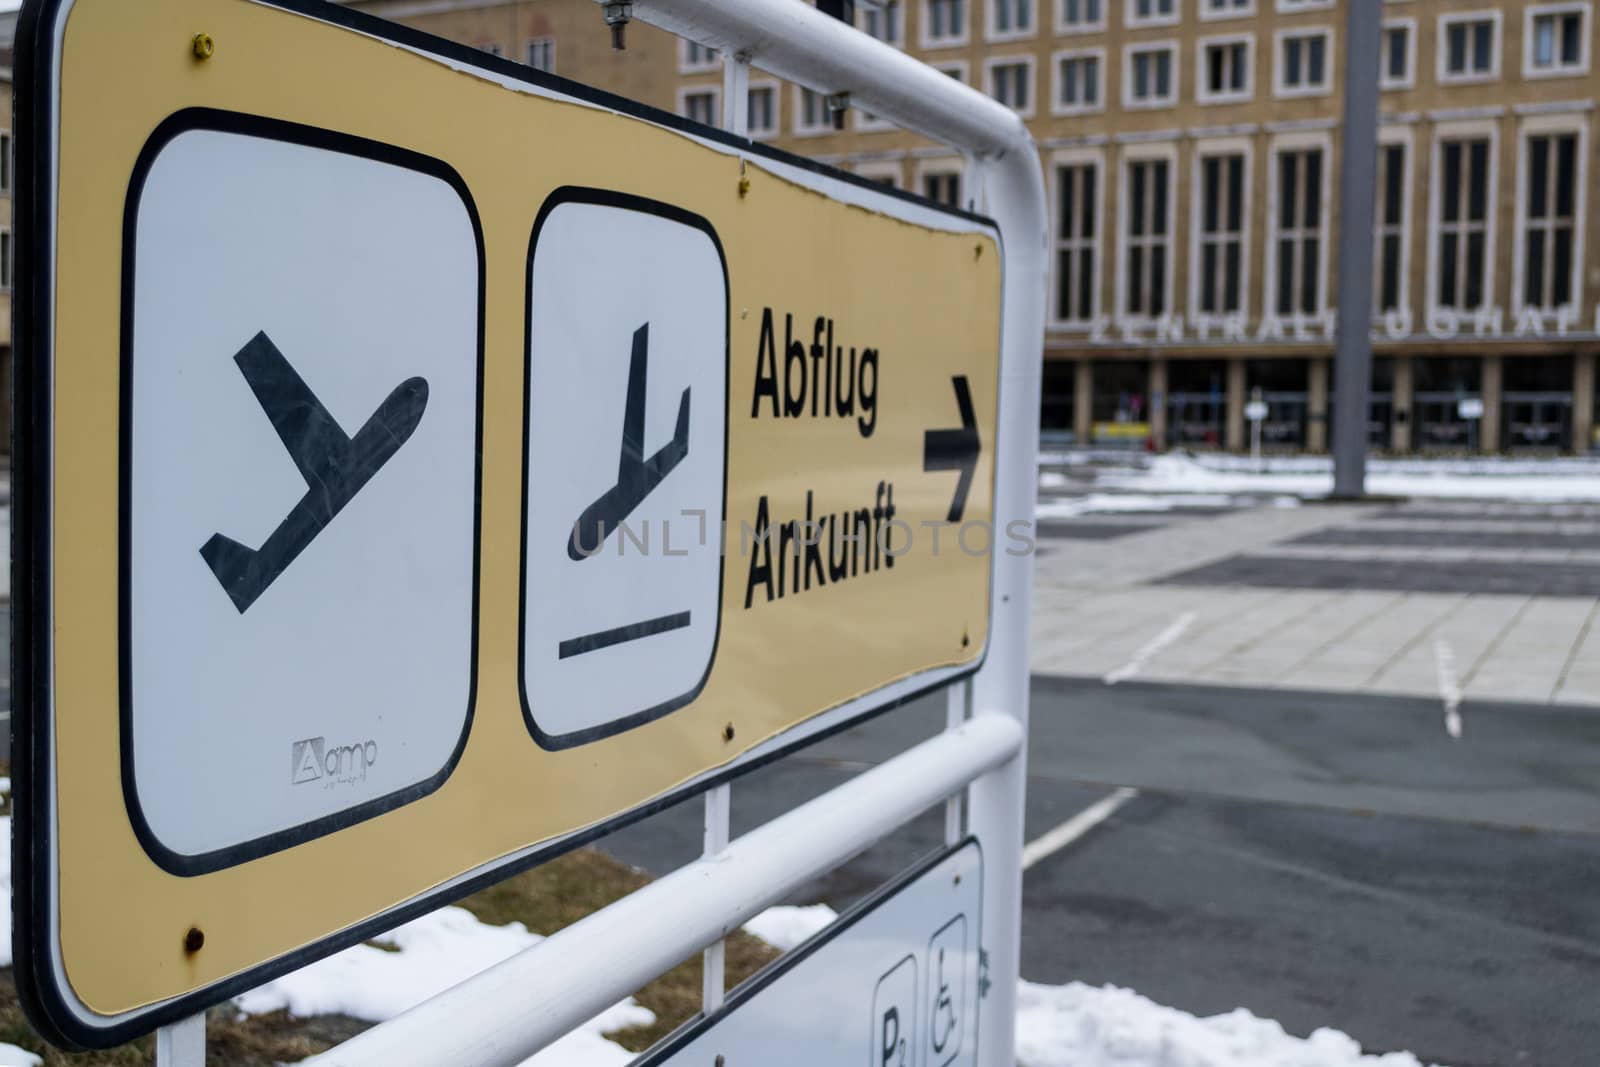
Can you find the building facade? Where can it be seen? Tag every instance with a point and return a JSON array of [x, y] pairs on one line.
[[1191, 151]]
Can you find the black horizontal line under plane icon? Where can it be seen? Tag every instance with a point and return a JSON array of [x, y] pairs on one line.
[[637, 478], [335, 465]]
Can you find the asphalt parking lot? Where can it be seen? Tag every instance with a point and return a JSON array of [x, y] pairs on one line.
[[1367, 876]]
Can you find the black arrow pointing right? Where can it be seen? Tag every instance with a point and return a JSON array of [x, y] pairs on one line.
[[955, 450]]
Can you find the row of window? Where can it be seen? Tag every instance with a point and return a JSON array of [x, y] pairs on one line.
[[1554, 33], [1460, 234], [1225, 73], [1303, 65]]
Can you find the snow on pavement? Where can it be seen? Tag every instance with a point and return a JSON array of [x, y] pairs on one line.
[[1080, 1026], [1542, 481]]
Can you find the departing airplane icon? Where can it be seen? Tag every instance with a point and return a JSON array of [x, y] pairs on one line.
[[636, 476], [335, 465]]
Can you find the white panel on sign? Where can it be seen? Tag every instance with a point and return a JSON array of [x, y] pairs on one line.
[[894, 983], [626, 454], [302, 421]]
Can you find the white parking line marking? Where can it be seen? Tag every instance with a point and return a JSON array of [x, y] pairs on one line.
[[1444, 661], [1156, 644], [1050, 843]]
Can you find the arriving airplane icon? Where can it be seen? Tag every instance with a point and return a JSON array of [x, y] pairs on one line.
[[335, 465], [636, 476]]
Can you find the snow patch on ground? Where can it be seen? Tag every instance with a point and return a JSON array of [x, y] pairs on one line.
[[437, 951], [5, 888], [12, 1056], [1057, 1026], [1129, 504], [785, 927], [1080, 1026], [1543, 481]]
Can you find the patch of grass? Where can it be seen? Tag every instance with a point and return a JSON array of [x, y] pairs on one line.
[[545, 899], [561, 892]]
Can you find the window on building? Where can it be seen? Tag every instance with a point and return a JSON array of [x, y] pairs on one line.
[[883, 23], [1557, 40], [5, 162], [1469, 49], [1081, 15], [1302, 5], [494, 48], [542, 54], [700, 105], [6, 259], [1010, 83], [1146, 246], [1303, 63], [1141, 12], [1010, 18], [943, 187], [1077, 236], [1549, 223], [1149, 76], [763, 116], [1222, 9], [1390, 219], [1463, 230], [1397, 55], [693, 56], [1220, 286], [1224, 70], [956, 70], [945, 21], [1298, 237], [811, 113], [1078, 81]]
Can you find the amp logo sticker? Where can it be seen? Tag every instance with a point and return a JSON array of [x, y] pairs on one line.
[[313, 760]]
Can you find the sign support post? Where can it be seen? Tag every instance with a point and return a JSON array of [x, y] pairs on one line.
[[183, 1043], [1358, 169]]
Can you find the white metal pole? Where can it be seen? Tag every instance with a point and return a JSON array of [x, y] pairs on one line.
[[958, 709], [801, 44], [1014, 196], [719, 799], [183, 1043], [500, 1017]]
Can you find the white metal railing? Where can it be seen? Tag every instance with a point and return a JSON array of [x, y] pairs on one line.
[[509, 1012], [501, 1016]]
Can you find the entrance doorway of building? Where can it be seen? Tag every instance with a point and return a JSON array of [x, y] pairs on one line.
[[1536, 405], [1056, 403], [1442, 384], [1197, 404], [1283, 388], [1121, 413]]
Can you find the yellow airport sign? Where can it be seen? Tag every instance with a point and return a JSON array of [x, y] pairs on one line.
[[426, 464]]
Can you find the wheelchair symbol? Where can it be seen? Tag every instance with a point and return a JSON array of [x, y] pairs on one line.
[[949, 976]]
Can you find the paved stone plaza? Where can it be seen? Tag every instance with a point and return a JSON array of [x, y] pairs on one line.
[[1490, 601]]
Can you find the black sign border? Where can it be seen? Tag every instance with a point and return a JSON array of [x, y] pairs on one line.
[[174, 126], [573, 194], [32, 843]]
